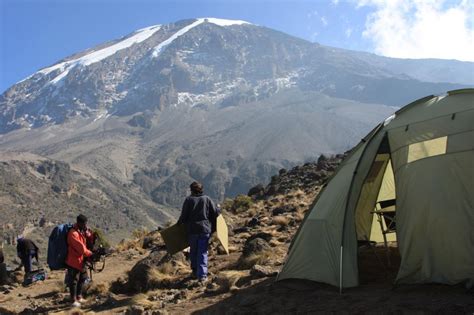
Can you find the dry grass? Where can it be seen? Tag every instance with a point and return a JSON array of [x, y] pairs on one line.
[[259, 258], [142, 300], [6, 299], [166, 268], [265, 220], [98, 289], [125, 245], [252, 212], [136, 243], [299, 216], [280, 220], [157, 279], [226, 280], [140, 233], [274, 243], [299, 193]]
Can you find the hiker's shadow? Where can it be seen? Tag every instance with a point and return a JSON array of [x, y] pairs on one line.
[[46, 295], [109, 305]]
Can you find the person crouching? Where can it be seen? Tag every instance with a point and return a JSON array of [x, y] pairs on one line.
[[26, 251], [77, 252]]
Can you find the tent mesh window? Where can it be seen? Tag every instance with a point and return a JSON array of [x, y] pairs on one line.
[[424, 149]]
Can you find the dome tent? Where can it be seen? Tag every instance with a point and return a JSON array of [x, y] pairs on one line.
[[426, 151]]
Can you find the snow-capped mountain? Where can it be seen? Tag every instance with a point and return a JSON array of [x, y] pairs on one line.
[[221, 101]]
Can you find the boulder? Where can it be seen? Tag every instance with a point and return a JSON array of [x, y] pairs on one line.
[[254, 246], [263, 235], [135, 310], [146, 274], [253, 222], [256, 191], [243, 229], [283, 209]]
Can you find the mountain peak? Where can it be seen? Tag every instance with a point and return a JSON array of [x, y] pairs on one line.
[[184, 30], [223, 22]]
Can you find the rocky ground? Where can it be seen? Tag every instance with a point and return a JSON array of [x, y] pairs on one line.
[[140, 278]]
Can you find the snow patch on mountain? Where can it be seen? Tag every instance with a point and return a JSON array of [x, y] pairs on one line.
[[100, 54], [184, 30], [221, 22], [190, 99], [102, 114]]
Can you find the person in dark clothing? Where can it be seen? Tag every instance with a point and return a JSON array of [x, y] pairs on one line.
[[199, 215], [4, 279], [26, 250]]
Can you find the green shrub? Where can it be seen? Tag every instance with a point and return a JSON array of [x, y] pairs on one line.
[[242, 203], [139, 233], [101, 240], [227, 204]]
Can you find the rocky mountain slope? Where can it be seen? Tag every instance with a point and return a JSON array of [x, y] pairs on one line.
[[37, 193], [143, 279], [224, 102]]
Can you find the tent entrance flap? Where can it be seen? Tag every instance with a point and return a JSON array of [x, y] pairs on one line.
[[378, 186]]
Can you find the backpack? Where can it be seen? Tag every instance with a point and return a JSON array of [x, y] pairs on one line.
[[34, 276], [57, 247]]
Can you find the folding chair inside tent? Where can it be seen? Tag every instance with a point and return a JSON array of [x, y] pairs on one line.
[[385, 211]]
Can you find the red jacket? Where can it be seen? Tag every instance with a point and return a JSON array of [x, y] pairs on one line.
[[76, 249]]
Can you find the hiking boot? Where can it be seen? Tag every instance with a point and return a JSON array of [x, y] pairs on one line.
[[76, 304], [80, 299]]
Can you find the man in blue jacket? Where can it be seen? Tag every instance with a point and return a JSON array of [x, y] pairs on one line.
[[199, 215]]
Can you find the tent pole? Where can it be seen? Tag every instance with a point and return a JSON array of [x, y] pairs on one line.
[[340, 271]]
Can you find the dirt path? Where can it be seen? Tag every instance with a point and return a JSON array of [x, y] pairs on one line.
[[50, 296]]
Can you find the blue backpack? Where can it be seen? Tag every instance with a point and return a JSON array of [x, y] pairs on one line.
[[34, 276], [57, 247]]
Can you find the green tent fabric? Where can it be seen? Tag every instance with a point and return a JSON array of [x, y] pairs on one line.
[[422, 156]]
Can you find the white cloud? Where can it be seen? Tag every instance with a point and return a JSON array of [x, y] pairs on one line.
[[324, 20], [313, 36], [335, 2], [421, 28], [348, 32]]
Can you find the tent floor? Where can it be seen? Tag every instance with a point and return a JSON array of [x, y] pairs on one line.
[[375, 266]]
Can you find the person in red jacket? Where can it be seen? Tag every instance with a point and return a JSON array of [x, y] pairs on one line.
[[77, 253]]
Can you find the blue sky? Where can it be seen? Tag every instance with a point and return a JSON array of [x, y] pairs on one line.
[[38, 33]]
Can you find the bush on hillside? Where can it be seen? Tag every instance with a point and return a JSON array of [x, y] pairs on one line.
[[227, 204], [140, 233], [101, 239], [242, 203]]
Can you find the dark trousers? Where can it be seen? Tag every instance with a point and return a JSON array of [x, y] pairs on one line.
[[198, 254], [75, 280], [27, 260]]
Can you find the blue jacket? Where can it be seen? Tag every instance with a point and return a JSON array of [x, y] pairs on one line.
[[199, 214]]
